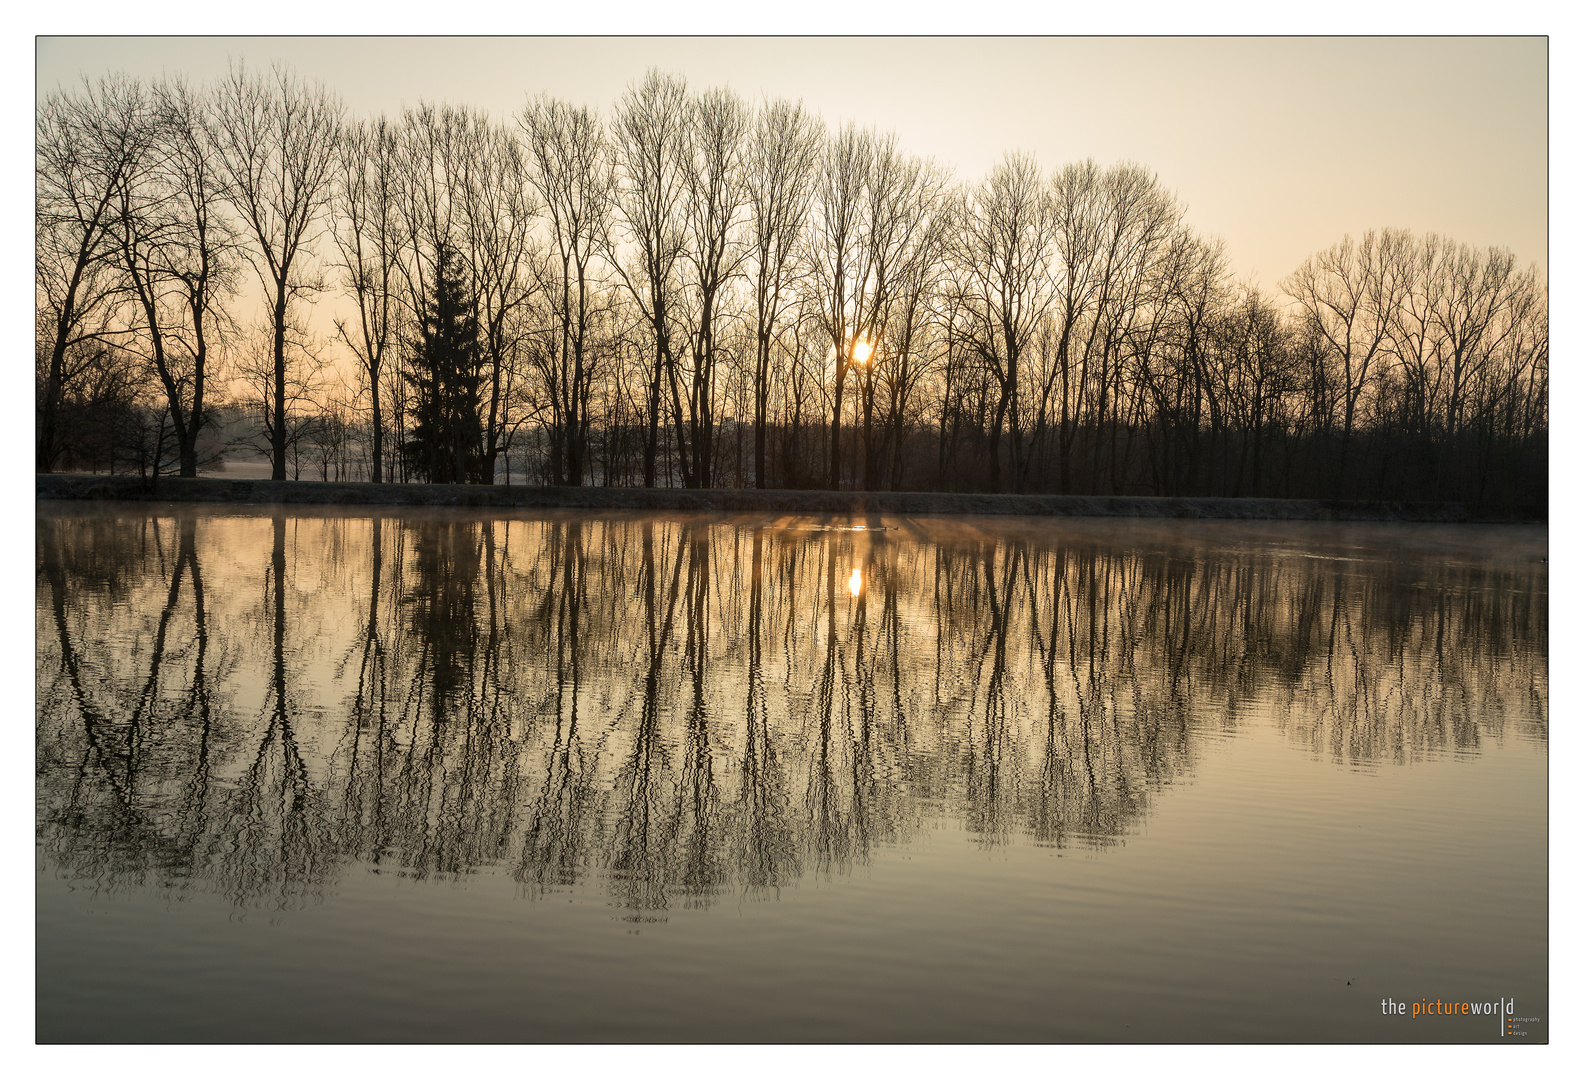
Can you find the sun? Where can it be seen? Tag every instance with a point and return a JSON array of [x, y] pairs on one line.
[[861, 352]]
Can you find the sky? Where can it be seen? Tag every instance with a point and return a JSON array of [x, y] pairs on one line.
[[1279, 146]]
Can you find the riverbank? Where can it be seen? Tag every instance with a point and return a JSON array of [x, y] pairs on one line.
[[317, 493]]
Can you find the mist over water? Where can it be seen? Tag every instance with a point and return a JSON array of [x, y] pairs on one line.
[[435, 775]]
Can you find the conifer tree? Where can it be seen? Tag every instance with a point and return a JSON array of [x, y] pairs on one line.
[[444, 369]]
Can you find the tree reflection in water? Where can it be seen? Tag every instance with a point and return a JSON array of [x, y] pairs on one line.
[[677, 710]]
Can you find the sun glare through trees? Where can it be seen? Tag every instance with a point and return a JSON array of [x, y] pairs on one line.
[[688, 288]]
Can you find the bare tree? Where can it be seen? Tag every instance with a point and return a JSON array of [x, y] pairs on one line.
[[1185, 393], [1447, 330], [1414, 341], [648, 140], [1479, 287], [179, 258], [1257, 374], [88, 143], [328, 439], [278, 138], [1001, 259], [367, 237], [835, 239], [1349, 295], [1078, 213], [902, 200], [204, 261], [1114, 231], [570, 169], [282, 426], [914, 342], [498, 215], [430, 148], [1147, 253], [784, 154], [715, 195]]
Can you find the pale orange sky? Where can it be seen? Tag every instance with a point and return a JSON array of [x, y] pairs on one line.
[[1277, 145]]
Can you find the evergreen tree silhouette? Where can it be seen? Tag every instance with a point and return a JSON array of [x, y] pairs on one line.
[[444, 368]]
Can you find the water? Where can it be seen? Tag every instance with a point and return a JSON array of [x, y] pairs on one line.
[[310, 776]]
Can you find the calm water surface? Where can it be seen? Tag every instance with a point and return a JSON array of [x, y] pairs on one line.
[[551, 777]]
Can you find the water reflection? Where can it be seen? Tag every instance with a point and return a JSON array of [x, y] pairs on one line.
[[677, 710]]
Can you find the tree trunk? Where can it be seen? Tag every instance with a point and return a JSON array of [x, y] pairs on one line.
[[278, 434]]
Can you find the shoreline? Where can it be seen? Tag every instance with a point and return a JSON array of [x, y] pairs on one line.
[[69, 487]]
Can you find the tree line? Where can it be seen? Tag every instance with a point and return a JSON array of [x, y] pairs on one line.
[[697, 291]]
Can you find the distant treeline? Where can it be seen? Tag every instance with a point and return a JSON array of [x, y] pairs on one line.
[[696, 291]]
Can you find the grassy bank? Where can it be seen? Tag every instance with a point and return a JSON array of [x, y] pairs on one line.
[[209, 489]]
